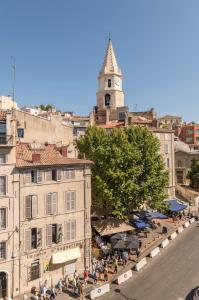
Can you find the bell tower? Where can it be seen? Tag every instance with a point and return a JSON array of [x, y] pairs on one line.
[[110, 94]]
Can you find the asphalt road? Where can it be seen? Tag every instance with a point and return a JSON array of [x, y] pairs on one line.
[[172, 275]]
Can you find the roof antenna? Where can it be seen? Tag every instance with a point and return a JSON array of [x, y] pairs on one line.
[[13, 78]]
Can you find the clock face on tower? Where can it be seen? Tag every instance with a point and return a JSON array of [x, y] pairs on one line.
[[117, 82]]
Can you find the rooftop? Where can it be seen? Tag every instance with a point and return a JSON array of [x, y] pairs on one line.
[[49, 155]]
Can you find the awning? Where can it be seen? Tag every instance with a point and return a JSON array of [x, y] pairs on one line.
[[67, 255], [176, 206], [111, 226], [141, 224], [155, 215]]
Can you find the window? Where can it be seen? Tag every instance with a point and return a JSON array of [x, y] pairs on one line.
[[2, 128], [53, 234], [51, 204], [2, 250], [34, 272], [2, 218], [197, 131], [121, 115], [107, 99], [33, 238], [179, 163], [168, 163], [70, 230], [31, 206], [70, 200], [166, 148], [109, 83], [33, 176], [2, 185], [49, 175], [56, 175], [189, 131], [39, 176], [2, 158], [69, 174]]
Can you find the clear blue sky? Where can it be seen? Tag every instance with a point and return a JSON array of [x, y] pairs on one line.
[[59, 48]]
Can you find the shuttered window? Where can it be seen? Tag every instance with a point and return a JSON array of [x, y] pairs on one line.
[[2, 218], [69, 174], [70, 200], [2, 185], [58, 174], [49, 175], [48, 235], [39, 176], [33, 238], [70, 230], [2, 250], [51, 204], [31, 206], [27, 176], [2, 158]]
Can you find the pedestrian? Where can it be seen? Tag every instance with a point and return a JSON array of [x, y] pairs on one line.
[[76, 275], [86, 273], [95, 276], [74, 284], [59, 285], [105, 273], [66, 281], [52, 293], [79, 289], [116, 266]]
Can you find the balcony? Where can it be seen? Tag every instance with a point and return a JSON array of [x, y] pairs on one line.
[[6, 140]]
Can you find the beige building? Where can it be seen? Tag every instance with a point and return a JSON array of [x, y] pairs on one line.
[[7, 103], [55, 200], [184, 155], [45, 203]]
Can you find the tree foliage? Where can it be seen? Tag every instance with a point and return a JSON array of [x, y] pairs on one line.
[[45, 107], [193, 174], [128, 169]]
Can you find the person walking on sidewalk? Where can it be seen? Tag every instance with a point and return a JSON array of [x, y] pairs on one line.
[[86, 273], [52, 293], [115, 265]]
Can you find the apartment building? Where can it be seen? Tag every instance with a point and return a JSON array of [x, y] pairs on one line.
[[45, 203], [9, 213], [189, 133], [55, 200]]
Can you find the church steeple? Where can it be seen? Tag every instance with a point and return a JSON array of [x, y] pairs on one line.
[[110, 93], [110, 63]]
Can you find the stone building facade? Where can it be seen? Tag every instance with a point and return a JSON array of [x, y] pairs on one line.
[[45, 203]]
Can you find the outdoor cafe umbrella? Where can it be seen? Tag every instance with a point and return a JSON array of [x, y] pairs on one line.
[[122, 236], [119, 244]]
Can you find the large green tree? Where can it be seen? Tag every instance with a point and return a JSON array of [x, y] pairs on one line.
[[193, 174], [128, 168]]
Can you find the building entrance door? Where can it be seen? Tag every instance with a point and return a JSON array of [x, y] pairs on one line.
[[3, 284]]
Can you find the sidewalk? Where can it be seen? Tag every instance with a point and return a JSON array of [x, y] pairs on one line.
[[153, 239]]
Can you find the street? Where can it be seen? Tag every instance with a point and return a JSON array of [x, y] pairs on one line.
[[170, 276]]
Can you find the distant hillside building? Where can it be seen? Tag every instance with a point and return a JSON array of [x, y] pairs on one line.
[[7, 103]]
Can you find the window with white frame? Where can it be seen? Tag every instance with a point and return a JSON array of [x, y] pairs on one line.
[[70, 230], [31, 206], [2, 185], [2, 158], [70, 200], [51, 204], [49, 175], [166, 148], [2, 250], [53, 234], [56, 174], [69, 174], [33, 238], [33, 176], [2, 218]]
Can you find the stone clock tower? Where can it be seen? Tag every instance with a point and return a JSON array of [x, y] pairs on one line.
[[110, 94]]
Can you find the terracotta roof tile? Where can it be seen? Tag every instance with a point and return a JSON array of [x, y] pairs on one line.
[[49, 155], [111, 125]]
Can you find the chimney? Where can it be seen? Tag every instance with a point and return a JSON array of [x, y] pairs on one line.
[[36, 158], [64, 152]]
